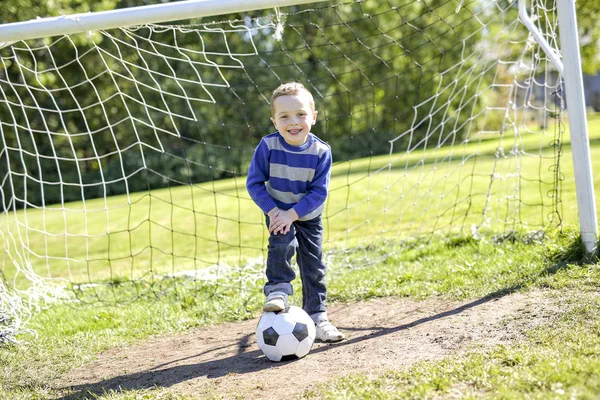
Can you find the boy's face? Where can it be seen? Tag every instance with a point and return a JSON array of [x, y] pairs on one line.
[[294, 117]]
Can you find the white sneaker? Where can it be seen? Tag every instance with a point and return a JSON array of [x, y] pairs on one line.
[[276, 301], [328, 333]]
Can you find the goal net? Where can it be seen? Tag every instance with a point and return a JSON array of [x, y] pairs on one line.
[[124, 151]]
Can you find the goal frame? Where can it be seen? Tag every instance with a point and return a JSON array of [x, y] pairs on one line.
[[156, 13], [569, 67], [567, 62]]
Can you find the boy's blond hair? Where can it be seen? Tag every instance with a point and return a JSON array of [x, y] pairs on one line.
[[290, 89]]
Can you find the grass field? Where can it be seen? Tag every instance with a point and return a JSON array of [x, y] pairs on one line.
[[558, 360], [390, 197]]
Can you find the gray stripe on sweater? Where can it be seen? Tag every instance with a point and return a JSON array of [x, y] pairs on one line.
[[285, 197], [292, 173], [291, 198]]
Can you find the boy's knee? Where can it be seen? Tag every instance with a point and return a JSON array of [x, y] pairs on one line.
[[282, 239]]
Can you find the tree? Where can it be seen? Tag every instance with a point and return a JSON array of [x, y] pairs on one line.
[[587, 22], [380, 71]]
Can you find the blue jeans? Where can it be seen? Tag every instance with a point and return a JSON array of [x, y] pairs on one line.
[[304, 239]]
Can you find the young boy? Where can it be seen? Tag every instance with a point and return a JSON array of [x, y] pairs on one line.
[[289, 179]]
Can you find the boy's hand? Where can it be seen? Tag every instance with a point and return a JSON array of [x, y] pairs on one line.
[[273, 213], [282, 221]]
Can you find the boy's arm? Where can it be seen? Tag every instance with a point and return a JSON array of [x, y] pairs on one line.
[[258, 175], [317, 193]]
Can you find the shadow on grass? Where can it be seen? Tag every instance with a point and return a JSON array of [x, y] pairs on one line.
[[245, 362]]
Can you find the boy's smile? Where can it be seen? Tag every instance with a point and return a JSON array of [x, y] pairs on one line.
[[294, 117]]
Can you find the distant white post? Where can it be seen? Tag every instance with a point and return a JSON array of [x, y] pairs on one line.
[[570, 69]]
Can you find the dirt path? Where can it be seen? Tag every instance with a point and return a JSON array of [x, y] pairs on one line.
[[224, 361]]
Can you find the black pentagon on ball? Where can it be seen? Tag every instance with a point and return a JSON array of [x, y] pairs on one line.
[[270, 336], [300, 331]]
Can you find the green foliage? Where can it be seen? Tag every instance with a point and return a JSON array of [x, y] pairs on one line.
[[587, 22], [367, 73], [107, 112], [23, 10]]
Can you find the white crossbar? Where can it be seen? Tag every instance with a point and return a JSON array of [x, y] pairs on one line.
[[78, 23]]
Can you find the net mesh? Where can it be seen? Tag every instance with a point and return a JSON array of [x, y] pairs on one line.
[[124, 152]]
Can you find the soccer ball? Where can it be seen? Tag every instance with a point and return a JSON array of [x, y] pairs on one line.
[[286, 335]]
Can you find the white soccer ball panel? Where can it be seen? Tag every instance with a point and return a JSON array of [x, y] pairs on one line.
[[260, 341], [266, 321], [304, 346], [287, 344], [300, 315], [284, 323], [271, 352]]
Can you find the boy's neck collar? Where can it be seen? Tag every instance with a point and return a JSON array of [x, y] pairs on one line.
[[309, 139]]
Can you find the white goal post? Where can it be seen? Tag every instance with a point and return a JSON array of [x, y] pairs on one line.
[[570, 68], [580, 142]]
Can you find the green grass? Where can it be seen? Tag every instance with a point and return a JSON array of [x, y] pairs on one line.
[[390, 197], [69, 337], [557, 360]]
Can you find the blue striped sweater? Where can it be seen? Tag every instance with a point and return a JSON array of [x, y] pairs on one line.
[[286, 176]]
